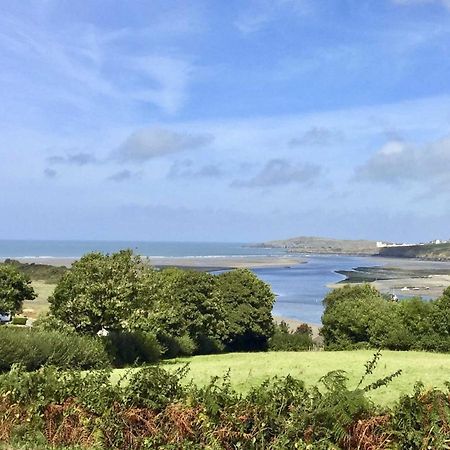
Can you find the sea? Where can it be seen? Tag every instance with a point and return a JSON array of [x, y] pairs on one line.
[[299, 288]]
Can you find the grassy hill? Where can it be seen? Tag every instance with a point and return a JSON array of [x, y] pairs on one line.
[[310, 244], [435, 252], [250, 369]]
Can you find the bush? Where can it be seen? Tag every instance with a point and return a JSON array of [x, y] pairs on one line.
[[285, 340], [360, 317], [34, 349], [19, 321], [174, 346], [127, 348]]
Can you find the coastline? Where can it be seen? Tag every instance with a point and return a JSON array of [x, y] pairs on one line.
[[404, 277], [195, 262]]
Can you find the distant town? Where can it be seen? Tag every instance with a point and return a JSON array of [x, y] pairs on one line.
[[381, 244]]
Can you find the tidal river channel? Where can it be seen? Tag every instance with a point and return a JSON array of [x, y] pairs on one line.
[[301, 288]]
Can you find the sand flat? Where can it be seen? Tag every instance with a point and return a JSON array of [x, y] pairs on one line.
[[206, 263]]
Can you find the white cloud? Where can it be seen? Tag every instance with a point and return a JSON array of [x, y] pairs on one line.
[[188, 169], [123, 175], [397, 162], [262, 12], [278, 172], [81, 63], [170, 76], [76, 159], [149, 143], [317, 136]]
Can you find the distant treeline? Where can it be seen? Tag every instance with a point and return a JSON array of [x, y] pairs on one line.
[[35, 271], [359, 317]]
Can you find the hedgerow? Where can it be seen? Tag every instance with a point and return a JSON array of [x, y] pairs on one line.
[[35, 348], [153, 409]]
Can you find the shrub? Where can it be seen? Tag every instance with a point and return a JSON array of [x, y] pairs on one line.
[[34, 349], [19, 320], [126, 348], [285, 340], [174, 346]]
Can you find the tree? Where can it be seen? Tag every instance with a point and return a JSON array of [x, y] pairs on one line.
[[184, 304], [14, 289], [349, 312], [100, 291], [247, 303]]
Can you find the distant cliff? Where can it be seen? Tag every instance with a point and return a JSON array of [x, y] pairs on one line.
[[435, 252], [310, 244]]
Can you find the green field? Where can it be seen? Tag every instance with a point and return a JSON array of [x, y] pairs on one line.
[[248, 369], [40, 304]]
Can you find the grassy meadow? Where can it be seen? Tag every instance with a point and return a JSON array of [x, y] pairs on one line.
[[250, 369], [40, 304]]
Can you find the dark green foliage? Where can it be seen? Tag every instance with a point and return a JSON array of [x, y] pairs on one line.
[[128, 348], [34, 349], [14, 289], [100, 291], [19, 321], [42, 272], [188, 311], [285, 340], [155, 388], [247, 303], [359, 316], [349, 311], [184, 304]]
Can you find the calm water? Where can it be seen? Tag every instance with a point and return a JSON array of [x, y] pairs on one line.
[[300, 289]]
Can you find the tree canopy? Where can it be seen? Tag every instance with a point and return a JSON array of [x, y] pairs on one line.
[[359, 315], [14, 289], [208, 312]]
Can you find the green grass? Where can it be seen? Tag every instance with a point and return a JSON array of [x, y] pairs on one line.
[[249, 369], [40, 304]]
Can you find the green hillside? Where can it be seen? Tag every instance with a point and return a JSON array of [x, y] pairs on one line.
[[310, 244], [435, 252]]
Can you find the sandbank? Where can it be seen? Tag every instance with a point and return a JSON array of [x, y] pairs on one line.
[[198, 263]]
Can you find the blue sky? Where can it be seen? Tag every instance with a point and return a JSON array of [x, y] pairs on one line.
[[225, 121]]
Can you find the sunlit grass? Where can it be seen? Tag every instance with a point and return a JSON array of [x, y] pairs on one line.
[[249, 369], [40, 304]]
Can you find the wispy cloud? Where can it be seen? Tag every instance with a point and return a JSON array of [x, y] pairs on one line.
[[123, 175], [317, 136], [150, 143], [50, 173], [188, 169], [278, 172], [261, 12], [74, 159], [83, 63]]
